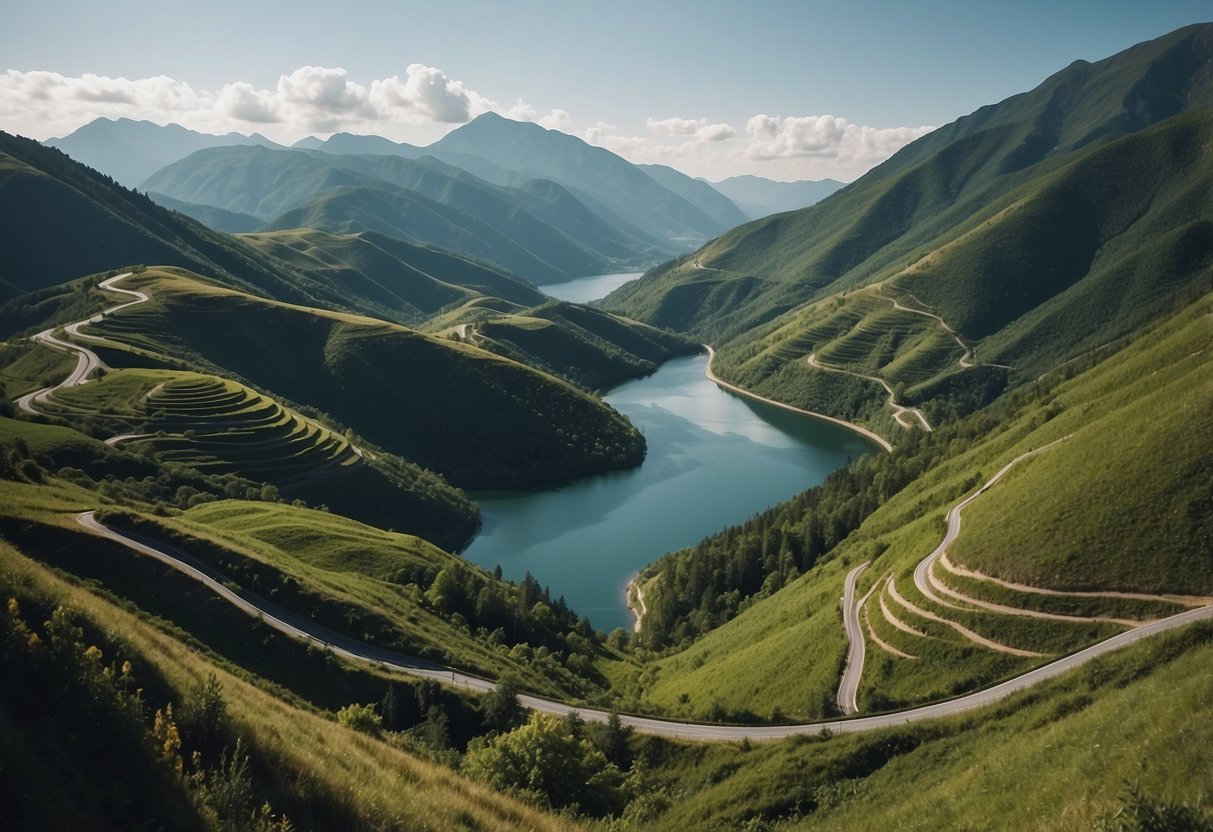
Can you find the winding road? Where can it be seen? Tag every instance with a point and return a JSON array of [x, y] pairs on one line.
[[899, 410], [304, 629], [848, 689], [86, 360]]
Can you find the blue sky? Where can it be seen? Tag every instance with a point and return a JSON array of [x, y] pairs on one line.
[[677, 82]]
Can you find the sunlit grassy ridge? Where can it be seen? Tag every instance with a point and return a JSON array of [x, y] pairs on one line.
[[592, 348], [474, 417]]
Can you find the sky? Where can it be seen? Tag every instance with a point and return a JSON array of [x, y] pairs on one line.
[[777, 88]]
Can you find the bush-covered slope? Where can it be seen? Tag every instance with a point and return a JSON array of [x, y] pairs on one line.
[[590, 347]]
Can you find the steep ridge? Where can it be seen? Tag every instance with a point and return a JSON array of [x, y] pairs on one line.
[[1028, 259]]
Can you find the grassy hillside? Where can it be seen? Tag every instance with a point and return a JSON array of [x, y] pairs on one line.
[[107, 739], [1035, 229], [220, 427], [409, 282], [1079, 753], [1118, 506], [591, 348], [473, 417]]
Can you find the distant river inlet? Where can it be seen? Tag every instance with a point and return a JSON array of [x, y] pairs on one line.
[[714, 459]]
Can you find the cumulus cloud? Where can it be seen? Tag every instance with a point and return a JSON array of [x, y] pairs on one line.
[[243, 102], [697, 127], [310, 99], [557, 120], [676, 126], [430, 93], [824, 137]]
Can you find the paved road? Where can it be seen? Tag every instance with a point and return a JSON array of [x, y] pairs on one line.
[[848, 689], [305, 629], [86, 360]]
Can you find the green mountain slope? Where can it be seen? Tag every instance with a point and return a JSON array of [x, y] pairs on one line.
[[477, 419], [214, 218], [591, 348], [965, 264], [1117, 503], [412, 281]]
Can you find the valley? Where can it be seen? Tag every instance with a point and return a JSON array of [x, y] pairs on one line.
[[505, 482]]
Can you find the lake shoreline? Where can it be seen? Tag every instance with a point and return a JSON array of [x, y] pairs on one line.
[[741, 391]]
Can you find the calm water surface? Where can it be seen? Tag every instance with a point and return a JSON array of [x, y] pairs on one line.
[[586, 289], [714, 459]]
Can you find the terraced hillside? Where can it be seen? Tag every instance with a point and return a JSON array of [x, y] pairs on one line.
[[1101, 523], [210, 424], [216, 426], [476, 418]]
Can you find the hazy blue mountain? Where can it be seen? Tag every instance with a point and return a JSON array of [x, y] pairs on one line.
[[760, 197], [542, 198], [712, 200], [352, 143], [539, 231], [60, 220], [210, 216], [609, 184], [130, 151], [308, 143]]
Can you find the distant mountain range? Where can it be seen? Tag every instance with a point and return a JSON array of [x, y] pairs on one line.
[[760, 197], [130, 151], [538, 202]]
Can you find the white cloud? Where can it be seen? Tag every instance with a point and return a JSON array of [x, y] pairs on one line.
[[423, 104], [244, 102], [311, 99], [557, 120], [825, 137], [676, 126], [697, 127], [429, 93]]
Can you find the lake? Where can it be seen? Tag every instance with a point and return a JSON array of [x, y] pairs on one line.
[[714, 459], [586, 289]]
